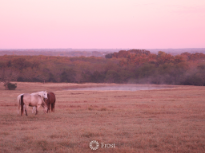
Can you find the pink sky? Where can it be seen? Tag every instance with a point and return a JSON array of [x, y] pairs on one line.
[[102, 24]]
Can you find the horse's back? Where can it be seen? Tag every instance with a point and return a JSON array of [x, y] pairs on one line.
[[27, 97], [31, 99]]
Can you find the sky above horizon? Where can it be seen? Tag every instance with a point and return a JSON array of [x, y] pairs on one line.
[[147, 24]]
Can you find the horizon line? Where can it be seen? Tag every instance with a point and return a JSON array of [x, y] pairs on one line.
[[90, 48]]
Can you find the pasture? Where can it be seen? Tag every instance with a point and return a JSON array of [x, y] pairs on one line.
[[163, 120]]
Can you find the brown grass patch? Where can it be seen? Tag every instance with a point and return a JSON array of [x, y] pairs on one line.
[[171, 120], [90, 134], [103, 109]]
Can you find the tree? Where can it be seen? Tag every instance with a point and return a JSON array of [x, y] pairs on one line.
[[68, 75], [112, 76]]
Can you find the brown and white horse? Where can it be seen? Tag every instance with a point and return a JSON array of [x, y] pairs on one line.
[[50, 101]]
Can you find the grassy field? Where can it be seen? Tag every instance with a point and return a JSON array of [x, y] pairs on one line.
[[163, 120]]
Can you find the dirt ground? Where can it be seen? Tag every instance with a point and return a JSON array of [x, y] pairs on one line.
[[162, 120]]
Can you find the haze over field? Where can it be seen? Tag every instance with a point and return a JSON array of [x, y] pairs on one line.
[[102, 24]]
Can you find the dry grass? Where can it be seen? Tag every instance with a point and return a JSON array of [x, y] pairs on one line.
[[169, 120]]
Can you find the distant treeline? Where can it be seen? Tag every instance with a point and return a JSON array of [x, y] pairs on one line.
[[54, 53], [132, 66]]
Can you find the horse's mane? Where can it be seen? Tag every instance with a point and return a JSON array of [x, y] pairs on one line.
[[43, 99], [39, 92]]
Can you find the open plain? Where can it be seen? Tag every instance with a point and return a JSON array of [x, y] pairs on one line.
[[161, 120]]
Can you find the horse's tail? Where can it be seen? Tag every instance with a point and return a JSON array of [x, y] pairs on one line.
[[18, 101], [21, 103]]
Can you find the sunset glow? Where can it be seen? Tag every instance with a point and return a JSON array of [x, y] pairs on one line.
[[102, 24]]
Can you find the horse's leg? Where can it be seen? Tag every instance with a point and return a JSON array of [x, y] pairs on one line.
[[34, 109], [26, 110], [49, 107], [37, 107], [52, 107]]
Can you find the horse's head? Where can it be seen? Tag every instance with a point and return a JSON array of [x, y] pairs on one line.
[[44, 94]]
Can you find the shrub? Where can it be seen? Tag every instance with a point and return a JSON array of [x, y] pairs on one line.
[[11, 86]]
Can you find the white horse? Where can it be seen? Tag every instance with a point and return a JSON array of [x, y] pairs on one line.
[[40, 93], [33, 100]]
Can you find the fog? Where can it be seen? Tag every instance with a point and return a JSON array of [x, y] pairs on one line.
[[122, 88]]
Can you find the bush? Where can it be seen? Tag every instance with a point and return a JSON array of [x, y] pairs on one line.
[[10, 86]]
